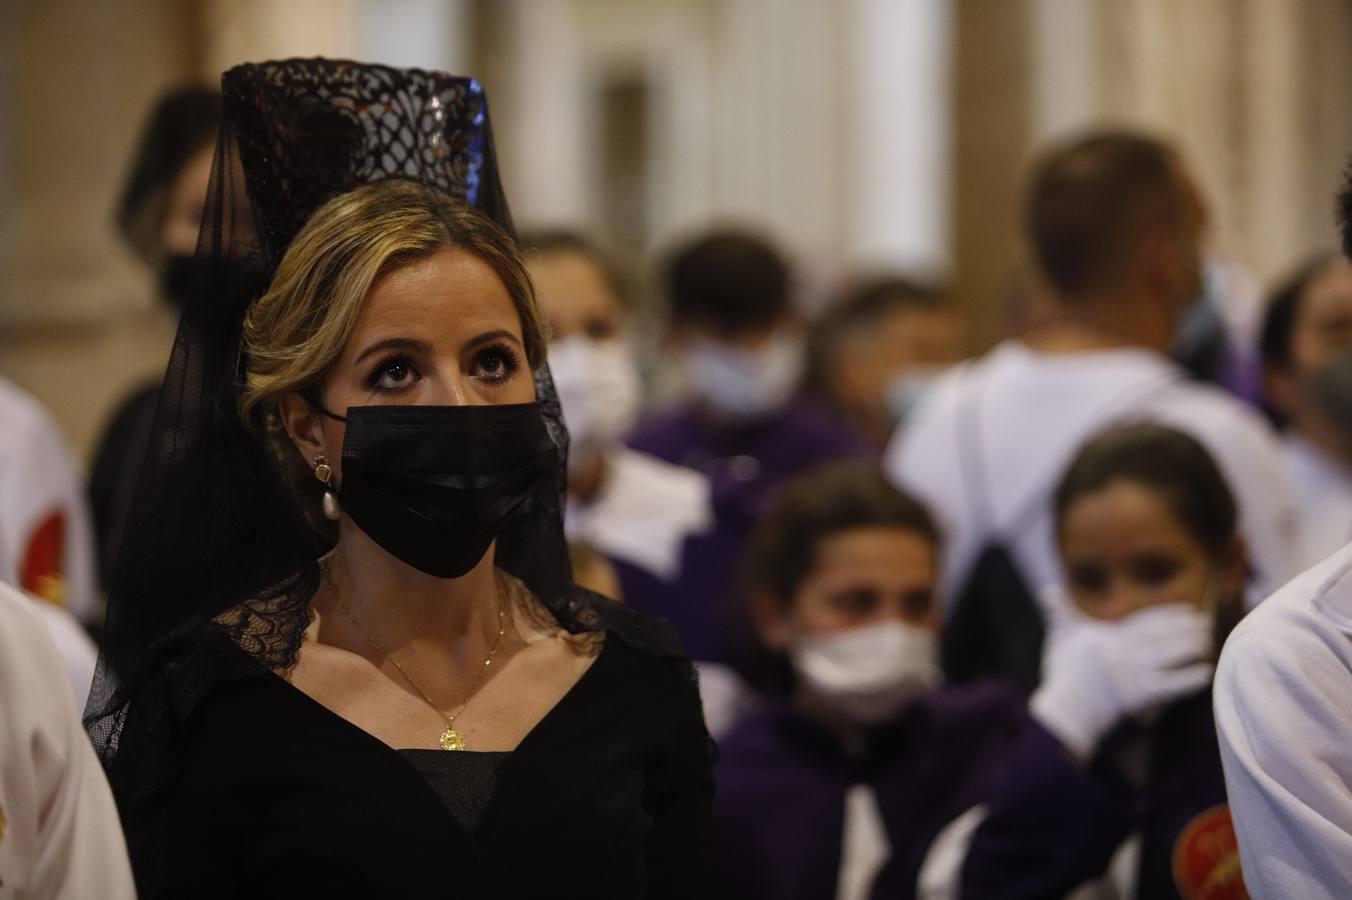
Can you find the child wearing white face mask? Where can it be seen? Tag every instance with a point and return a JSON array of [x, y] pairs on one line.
[[649, 520], [1147, 533], [737, 342], [876, 352], [868, 778]]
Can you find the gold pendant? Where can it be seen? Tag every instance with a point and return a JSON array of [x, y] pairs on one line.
[[451, 739]]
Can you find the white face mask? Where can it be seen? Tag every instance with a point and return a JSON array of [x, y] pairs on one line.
[[599, 390], [868, 674], [741, 384], [907, 389]]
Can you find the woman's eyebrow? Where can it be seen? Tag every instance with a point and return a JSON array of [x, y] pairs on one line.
[[495, 335], [409, 344]]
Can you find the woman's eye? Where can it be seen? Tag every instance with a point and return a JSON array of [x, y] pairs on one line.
[[1156, 570], [495, 364], [917, 604], [599, 329], [393, 375], [855, 602]]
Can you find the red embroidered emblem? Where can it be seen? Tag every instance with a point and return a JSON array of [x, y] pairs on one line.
[[1206, 858], [42, 572]]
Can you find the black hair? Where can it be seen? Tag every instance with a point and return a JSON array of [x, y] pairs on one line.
[[546, 241], [861, 307], [815, 505], [1279, 322], [1088, 202], [731, 281], [1165, 461], [1283, 309], [183, 122]]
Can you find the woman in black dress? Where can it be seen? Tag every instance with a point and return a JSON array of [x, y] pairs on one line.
[[346, 558]]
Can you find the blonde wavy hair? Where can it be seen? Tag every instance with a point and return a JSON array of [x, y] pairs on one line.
[[295, 331]]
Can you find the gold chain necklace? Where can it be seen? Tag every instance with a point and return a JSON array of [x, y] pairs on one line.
[[450, 738]]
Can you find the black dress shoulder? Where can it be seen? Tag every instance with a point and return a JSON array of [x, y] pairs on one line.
[[608, 796]]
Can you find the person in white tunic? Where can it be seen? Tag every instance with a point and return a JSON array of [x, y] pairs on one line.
[[1307, 385], [1283, 700], [46, 541], [1116, 226], [60, 837], [635, 510]]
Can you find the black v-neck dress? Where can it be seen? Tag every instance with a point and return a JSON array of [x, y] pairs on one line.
[[608, 797]]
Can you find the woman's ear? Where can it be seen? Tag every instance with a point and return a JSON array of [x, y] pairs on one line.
[[771, 620], [303, 425]]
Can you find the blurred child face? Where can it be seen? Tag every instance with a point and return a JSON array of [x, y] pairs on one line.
[[914, 342], [866, 576], [1124, 550], [1321, 334], [575, 296], [1323, 326]]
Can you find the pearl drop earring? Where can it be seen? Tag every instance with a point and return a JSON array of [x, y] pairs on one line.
[[332, 511]]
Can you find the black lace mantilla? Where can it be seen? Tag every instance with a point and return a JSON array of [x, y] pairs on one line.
[[309, 129]]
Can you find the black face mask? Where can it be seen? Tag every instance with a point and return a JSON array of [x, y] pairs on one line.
[[180, 275], [433, 485]]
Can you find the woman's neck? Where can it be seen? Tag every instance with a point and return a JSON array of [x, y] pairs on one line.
[[396, 607]]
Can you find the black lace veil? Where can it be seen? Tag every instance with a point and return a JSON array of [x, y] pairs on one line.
[[218, 556]]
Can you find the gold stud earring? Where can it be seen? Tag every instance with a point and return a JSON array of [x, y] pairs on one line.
[[324, 473]]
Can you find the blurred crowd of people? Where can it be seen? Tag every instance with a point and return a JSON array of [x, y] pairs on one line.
[[947, 612]]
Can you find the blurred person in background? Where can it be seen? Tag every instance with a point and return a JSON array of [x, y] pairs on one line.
[[739, 342], [649, 519], [869, 778], [875, 353], [1284, 712], [1217, 337], [46, 542], [1147, 531], [158, 215], [634, 508], [60, 837], [1115, 223], [1307, 386]]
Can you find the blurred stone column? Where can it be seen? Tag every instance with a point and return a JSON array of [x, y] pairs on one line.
[[992, 131], [898, 101], [77, 79], [532, 66]]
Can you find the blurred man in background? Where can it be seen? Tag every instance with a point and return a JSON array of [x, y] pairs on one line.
[[1116, 225], [1307, 385]]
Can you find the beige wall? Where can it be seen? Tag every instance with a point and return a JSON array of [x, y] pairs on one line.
[[77, 324]]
